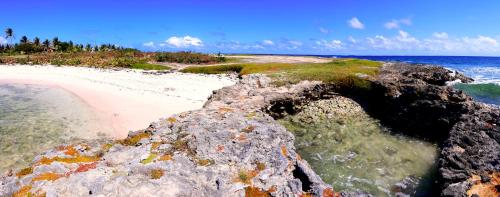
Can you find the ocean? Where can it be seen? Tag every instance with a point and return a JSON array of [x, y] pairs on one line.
[[484, 70]]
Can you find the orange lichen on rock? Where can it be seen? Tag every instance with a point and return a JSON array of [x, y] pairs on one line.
[[205, 162], [248, 129], [246, 176], [251, 191], [48, 176], [284, 152], [24, 191], [261, 166], [77, 159], [224, 110], [24, 172], [133, 140], [330, 193], [106, 147], [157, 173], [241, 137], [306, 194], [481, 188], [155, 145], [71, 151], [165, 157], [86, 167], [171, 120]]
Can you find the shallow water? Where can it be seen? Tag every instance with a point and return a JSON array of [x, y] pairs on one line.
[[35, 118], [353, 152]]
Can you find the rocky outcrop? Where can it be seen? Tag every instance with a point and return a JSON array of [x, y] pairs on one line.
[[234, 147], [415, 100], [228, 148], [470, 161]]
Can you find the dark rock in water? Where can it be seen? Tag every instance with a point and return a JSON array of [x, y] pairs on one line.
[[406, 187]]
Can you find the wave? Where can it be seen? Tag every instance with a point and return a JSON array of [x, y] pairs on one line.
[[483, 92]]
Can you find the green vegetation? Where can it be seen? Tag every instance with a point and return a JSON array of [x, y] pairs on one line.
[[186, 57], [57, 52], [148, 66], [343, 71]]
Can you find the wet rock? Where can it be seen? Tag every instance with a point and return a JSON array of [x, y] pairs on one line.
[[406, 187]]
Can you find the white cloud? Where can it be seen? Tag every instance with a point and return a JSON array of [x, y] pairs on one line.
[[440, 35], [292, 44], [334, 44], [439, 43], [3, 40], [356, 24], [268, 42], [397, 23], [324, 30], [352, 40], [184, 42], [149, 44]]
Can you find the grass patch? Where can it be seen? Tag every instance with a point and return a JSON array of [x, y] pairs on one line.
[[342, 71], [222, 69], [147, 66], [187, 57]]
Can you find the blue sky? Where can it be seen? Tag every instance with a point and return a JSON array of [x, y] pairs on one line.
[[359, 27]]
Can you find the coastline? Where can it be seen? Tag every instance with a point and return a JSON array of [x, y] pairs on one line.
[[118, 96], [231, 136]]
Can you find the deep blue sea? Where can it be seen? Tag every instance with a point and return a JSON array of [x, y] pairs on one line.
[[484, 70]]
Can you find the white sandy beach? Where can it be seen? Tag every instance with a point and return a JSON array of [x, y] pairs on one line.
[[126, 99]]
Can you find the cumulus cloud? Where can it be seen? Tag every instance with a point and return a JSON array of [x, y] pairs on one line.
[[439, 43], [397, 23], [356, 24], [268, 42], [334, 44], [149, 44], [184, 42], [324, 30]]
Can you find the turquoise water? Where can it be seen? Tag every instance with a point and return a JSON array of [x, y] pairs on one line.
[[35, 118], [487, 93]]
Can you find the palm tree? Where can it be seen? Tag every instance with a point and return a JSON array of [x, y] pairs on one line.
[[9, 33], [88, 47], [46, 43], [36, 41], [55, 41], [24, 40]]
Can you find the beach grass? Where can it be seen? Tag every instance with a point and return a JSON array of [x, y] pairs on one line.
[[148, 66], [344, 71]]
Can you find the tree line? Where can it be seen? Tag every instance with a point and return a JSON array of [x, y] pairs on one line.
[[36, 45]]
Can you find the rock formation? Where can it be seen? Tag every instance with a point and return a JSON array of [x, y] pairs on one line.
[[234, 147]]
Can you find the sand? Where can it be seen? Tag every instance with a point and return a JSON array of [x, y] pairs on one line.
[[128, 100]]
